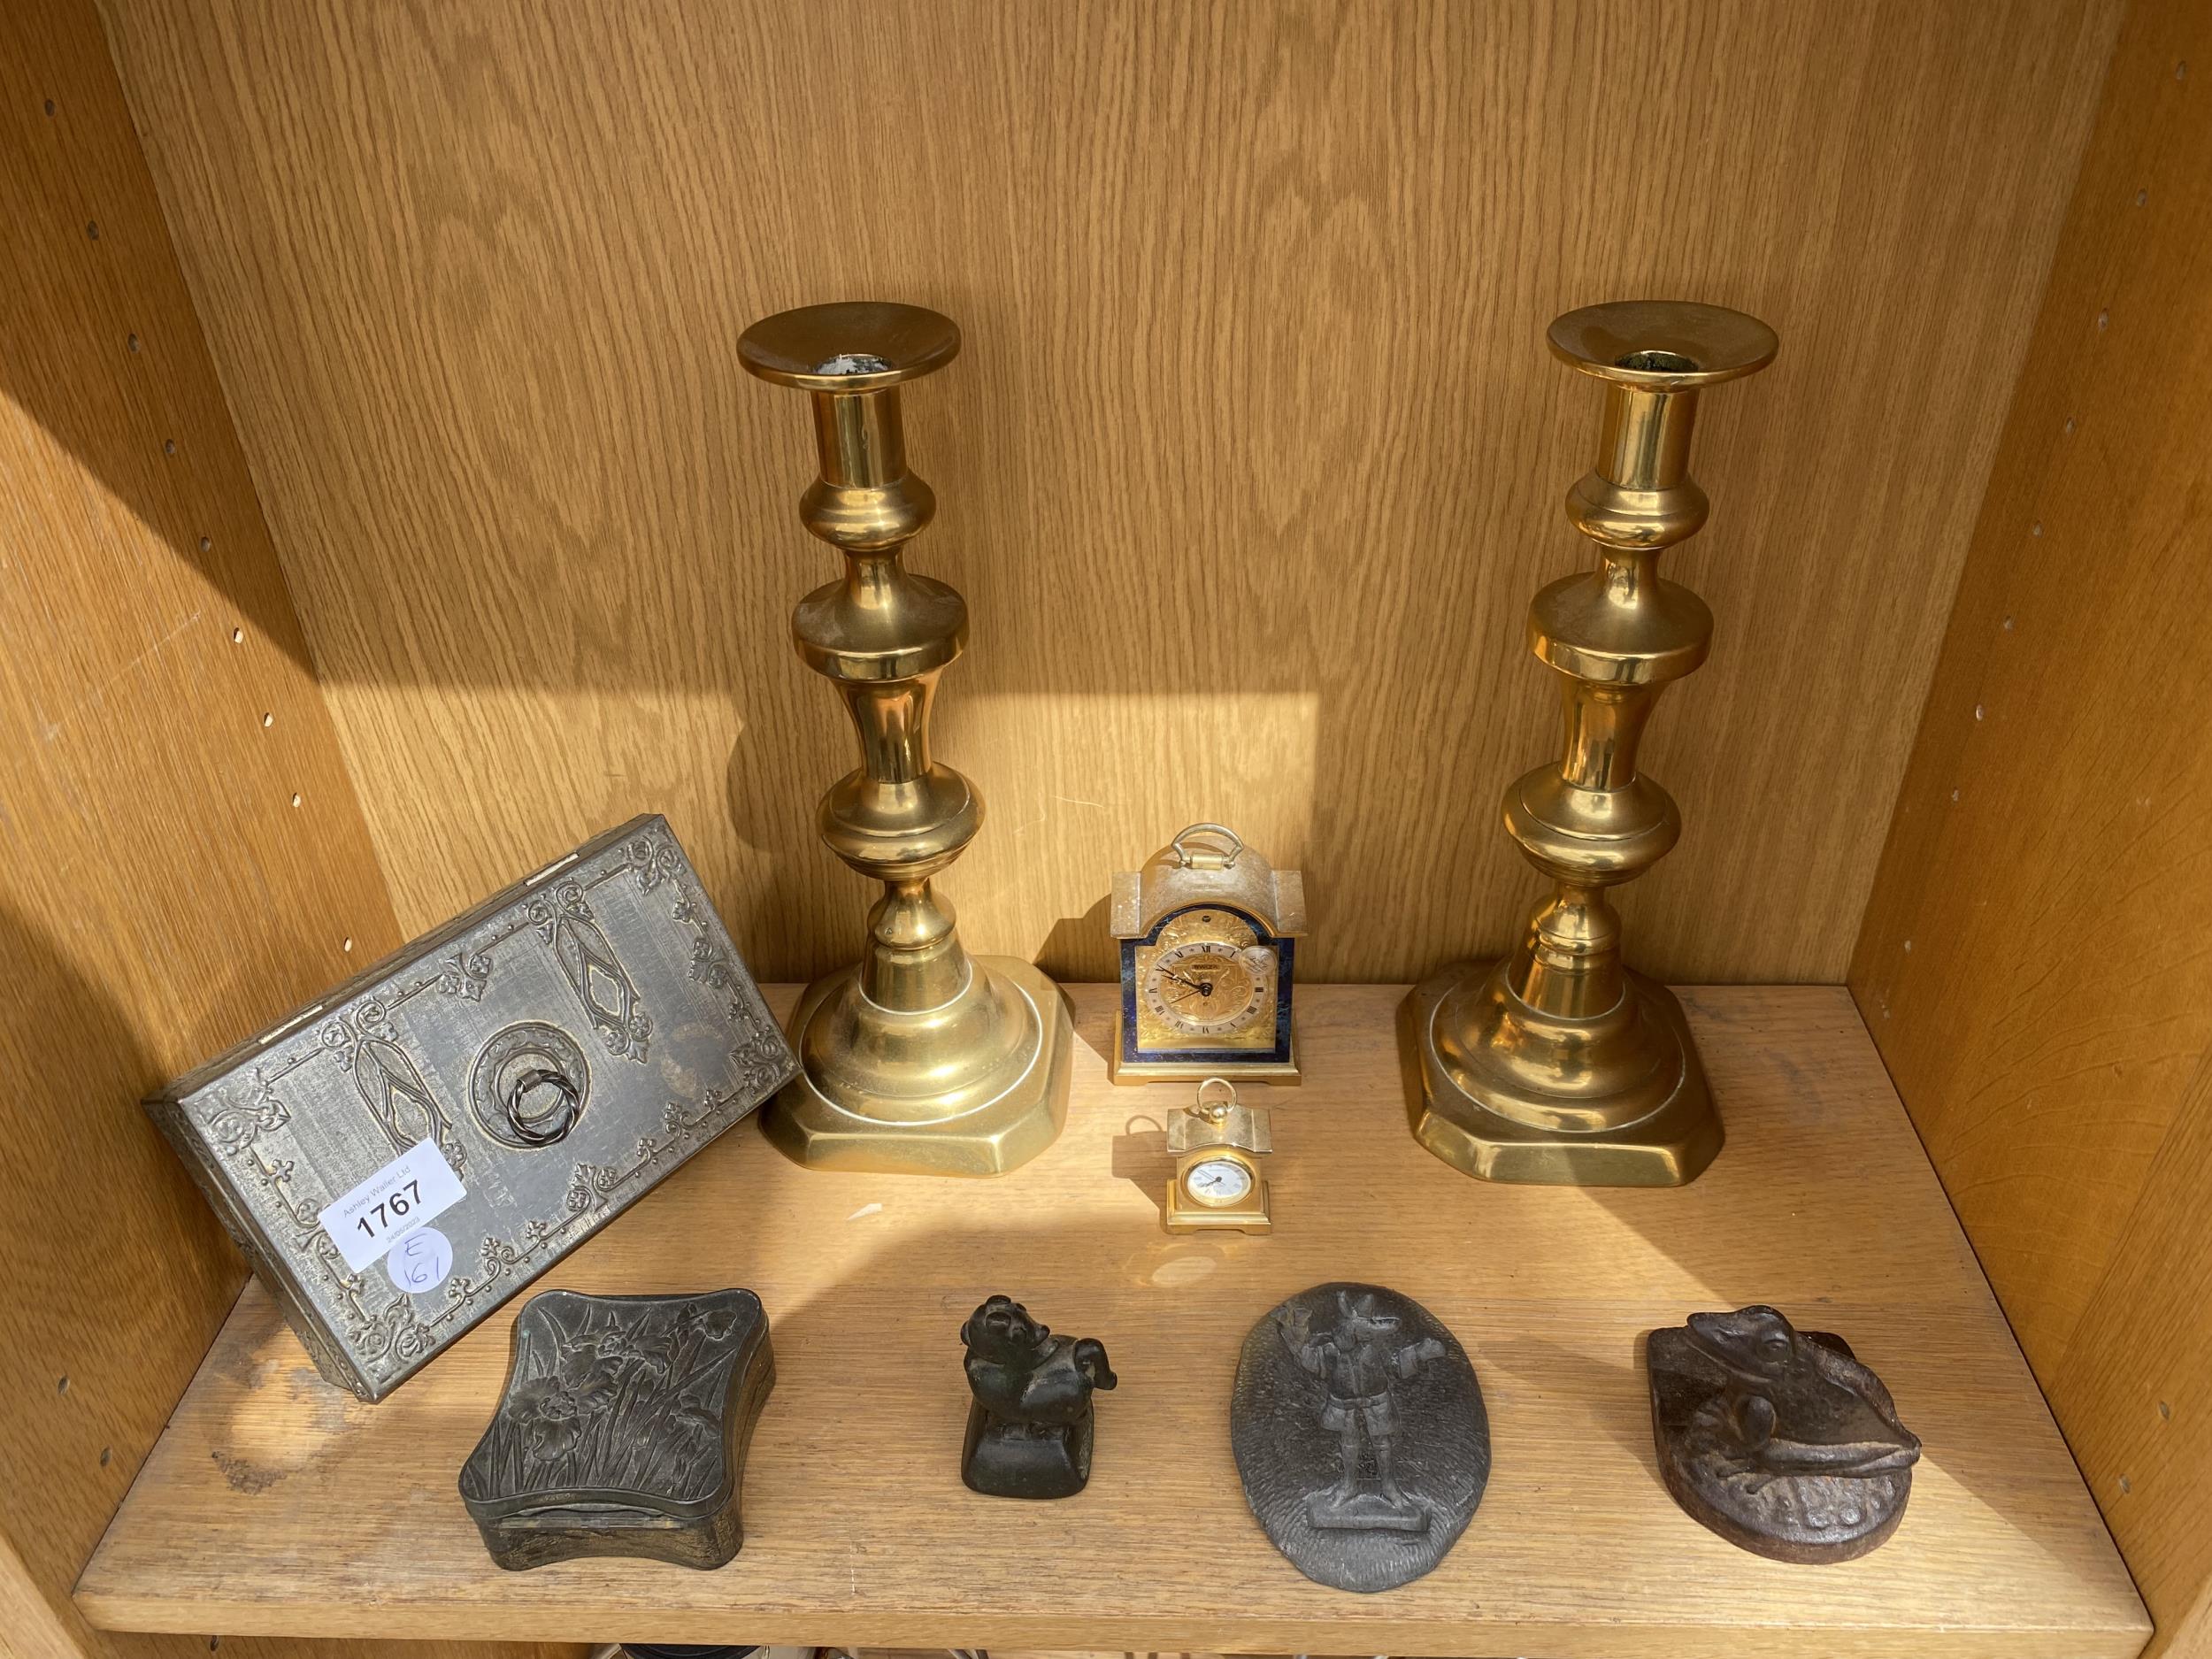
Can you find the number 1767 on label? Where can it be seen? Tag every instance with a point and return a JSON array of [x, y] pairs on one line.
[[412, 1190], [389, 1211]]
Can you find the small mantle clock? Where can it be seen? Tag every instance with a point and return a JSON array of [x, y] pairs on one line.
[[1218, 1142], [1208, 935]]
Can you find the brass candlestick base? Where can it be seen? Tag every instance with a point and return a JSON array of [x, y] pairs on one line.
[[1557, 1065], [991, 1067], [1492, 1097], [920, 1058]]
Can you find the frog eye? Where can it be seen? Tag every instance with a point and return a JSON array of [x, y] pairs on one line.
[[1777, 1344]]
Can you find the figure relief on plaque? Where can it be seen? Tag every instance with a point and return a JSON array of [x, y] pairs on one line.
[[1358, 1360]]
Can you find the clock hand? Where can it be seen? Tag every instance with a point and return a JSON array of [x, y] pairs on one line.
[[1180, 979]]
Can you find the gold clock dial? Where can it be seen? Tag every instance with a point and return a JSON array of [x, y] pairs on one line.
[[1208, 986]]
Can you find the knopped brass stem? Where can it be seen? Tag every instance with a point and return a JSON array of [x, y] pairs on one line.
[[919, 1057], [1557, 1063]]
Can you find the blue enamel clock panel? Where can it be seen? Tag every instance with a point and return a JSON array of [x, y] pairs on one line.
[[1284, 949]]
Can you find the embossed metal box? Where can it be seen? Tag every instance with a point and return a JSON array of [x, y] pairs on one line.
[[400, 1157], [623, 1429]]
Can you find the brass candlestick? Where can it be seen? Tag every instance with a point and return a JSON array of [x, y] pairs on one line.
[[921, 1057], [1558, 1064]]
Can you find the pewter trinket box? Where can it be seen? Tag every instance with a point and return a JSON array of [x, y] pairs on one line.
[[400, 1157], [623, 1429]]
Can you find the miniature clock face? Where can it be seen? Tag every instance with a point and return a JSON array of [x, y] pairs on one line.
[[1208, 983], [1218, 1180]]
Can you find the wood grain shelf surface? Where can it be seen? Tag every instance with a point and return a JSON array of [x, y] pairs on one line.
[[275, 1504]]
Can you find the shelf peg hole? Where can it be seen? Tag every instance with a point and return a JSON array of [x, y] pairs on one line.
[[107, 1453], [61, 1385], [207, 544], [2069, 426], [238, 636], [295, 799], [1955, 797], [168, 445], [2165, 1411], [49, 106], [1908, 947], [132, 343], [2126, 1485], [1978, 711], [268, 719], [92, 229], [2142, 196], [2104, 321], [348, 945]]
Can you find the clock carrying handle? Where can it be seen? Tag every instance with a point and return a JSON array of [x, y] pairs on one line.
[[1214, 858], [1217, 1108]]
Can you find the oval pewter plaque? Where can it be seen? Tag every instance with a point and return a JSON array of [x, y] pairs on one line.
[[1360, 1436]]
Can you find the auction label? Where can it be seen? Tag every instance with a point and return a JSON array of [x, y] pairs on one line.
[[414, 1187]]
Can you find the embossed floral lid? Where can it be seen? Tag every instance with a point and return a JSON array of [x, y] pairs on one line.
[[622, 1402]]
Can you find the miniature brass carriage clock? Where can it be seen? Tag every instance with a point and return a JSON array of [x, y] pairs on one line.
[[1207, 932], [1217, 1184]]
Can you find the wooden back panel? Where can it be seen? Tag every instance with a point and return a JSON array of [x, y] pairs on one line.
[[184, 855], [2034, 965], [1249, 470]]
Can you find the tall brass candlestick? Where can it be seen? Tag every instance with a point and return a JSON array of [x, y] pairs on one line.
[[919, 1058], [1556, 1064]]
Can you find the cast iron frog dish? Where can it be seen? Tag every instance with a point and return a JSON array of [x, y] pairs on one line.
[[1778, 1438]]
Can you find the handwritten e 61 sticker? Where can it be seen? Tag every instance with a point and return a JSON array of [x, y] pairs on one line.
[[421, 1261]]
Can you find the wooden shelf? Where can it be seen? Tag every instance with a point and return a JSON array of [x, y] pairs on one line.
[[277, 1505]]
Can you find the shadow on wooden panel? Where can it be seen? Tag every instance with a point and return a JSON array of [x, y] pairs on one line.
[[72, 1431], [1254, 406], [93, 281], [2033, 964], [1080, 948], [184, 855]]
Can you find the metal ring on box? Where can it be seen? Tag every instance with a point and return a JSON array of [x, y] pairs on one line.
[[529, 1086], [543, 1128]]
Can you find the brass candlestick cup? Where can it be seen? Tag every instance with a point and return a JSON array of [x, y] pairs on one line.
[[1557, 1065], [918, 1059]]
